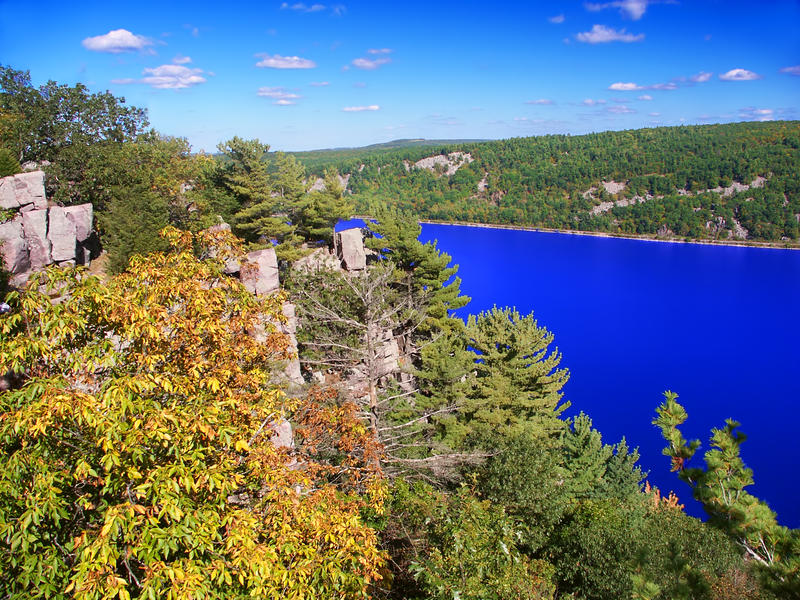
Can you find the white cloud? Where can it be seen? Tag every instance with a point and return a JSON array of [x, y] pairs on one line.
[[620, 110], [379, 51], [181, 60], [600, 34], [278, 93], [120, 40], [556, 19], [739, 75], [625, 87], [757, 114], [541, 102], [791, 70], [302, 7], [632, 87], [629, 9], [284, 62], [645, 97], [590, 102], [521, 119], [370, 65], [168, 77], [284, 102], [361, 108], [701, 77], [320, 83], [654, 114]]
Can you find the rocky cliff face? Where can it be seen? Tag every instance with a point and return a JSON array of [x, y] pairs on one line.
[[38, 235]]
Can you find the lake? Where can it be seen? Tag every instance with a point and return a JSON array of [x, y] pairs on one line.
[[718, 325]]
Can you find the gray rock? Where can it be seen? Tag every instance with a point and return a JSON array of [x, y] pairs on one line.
[[14, 247], [222, 226], [292, 370], [8, 196], [350, 246], [262, 279], [320, 259], [62, 235], [82, 215], [34, 224], [29, 189], [291, 319], [282, 436]]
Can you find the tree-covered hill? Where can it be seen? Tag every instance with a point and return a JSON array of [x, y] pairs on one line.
[[318, 160], [692, 181]]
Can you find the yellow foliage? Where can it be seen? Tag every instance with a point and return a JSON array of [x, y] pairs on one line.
[[136, 460]]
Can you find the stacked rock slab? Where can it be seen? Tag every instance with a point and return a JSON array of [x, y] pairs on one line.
[[38, 236], [260, 277], [350, 249]]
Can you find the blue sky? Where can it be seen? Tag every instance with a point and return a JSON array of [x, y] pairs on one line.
[[302, 76]]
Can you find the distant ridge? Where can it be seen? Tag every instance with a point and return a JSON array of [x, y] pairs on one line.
[[403, 143]]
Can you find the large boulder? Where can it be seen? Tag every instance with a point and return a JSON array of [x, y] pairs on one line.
[[34, 225], [262, 276], [14, 246], [62, 234], [350, 248], [320, 259], [82, 216], [18, 191]]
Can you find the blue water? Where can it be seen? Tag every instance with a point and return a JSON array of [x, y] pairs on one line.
[[718, 325]]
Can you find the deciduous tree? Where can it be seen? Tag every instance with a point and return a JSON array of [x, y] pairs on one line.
[[136, 458]]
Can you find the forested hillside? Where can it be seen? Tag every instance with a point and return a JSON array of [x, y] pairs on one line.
[[717, 182]]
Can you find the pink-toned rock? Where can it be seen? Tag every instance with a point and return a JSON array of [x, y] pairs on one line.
[[350, 247], [14, 247], [291, 319], [282, 436], [82, 215], [262, 279], [34, 224], [62, 235], [20, 190], [8, 197]]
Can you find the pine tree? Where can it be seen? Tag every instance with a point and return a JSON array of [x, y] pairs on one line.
[[320, 210], [586, 457], [720, 488], [599, 470], [518, 384], [268, 200], [422, 268]]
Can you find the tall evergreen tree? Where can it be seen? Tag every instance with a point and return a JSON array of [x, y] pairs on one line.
[[422, 268], [720, 488], [320, 210], [518, 384], [268, 200]]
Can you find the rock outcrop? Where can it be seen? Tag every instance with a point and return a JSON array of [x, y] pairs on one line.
[[350, 249], [38, 235], [23, 192], [262, 276]]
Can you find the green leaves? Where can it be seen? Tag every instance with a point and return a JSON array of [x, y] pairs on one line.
[[518, 384], [720, 488], [129, 464]]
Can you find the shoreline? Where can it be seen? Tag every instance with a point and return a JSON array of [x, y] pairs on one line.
[[645, 238]]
